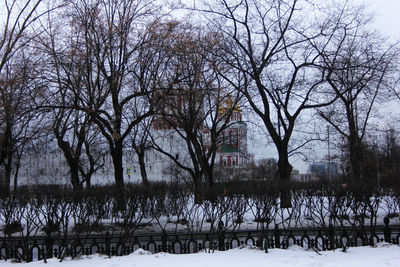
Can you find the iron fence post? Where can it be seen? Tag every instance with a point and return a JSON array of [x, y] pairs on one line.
[[277, 236], [164, 242], [49, 247], [387, 230], [331, 233], [108, 243], [221, 236]]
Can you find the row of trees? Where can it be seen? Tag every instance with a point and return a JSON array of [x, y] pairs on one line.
[[95, 74]]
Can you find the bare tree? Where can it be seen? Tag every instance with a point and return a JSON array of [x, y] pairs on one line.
[[19, 87], [15, 33], [272, 48], [152, 65], [141, 143], [360, 71], [70, 76], [108, 35], [192, 96], [95, 153]]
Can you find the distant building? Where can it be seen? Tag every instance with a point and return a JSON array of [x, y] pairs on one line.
[[317, 171], [323, 170], [231, 153], [303, 177], [307, 177], [295, 175], [233, 149]]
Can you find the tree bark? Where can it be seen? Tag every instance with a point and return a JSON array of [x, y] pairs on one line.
[[7, 178], [198, 192], [142, 165], [116, 154], [356, 158], [6, 157], [18, 163], [284, 170], [355, 145], [72, 163], [88, 180]]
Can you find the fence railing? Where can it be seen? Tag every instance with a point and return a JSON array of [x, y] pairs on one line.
[[44, 247]]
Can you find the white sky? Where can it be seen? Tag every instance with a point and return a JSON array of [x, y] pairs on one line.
[[387, 17]]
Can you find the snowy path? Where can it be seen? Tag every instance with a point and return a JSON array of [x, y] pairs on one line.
[[382, 255]]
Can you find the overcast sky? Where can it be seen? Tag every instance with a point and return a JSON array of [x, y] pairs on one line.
[[387, 17]]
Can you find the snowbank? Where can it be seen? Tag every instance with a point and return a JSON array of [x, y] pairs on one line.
[[380, 255]]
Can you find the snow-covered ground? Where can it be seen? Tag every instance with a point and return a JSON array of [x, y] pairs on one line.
[[381, 255]]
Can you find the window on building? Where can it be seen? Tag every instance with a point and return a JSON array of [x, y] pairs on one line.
[[235, 137]]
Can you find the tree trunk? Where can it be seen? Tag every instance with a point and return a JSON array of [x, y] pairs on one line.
[[356, 157], [209, 182], [284, 170], [198, 192], [16, 174], [88, 180], [6, 154], [210, 176], [5, 139], [71, 161], [116, 155], [355, 148], [7, 178], [142, 166], [74, 173], [76, 185]]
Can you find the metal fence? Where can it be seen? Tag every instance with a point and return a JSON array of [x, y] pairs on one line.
[[115, 244]]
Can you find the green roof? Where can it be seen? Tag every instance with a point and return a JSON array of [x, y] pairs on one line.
[[228, 149]]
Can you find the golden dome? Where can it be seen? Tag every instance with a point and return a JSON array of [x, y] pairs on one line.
[[229, 105]]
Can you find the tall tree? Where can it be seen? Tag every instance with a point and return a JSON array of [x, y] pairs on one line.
[[16, 32], [118, 98], [271, 46], [360, 70], [192, 95], [70, 75], [19, 87], [152, 66]]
